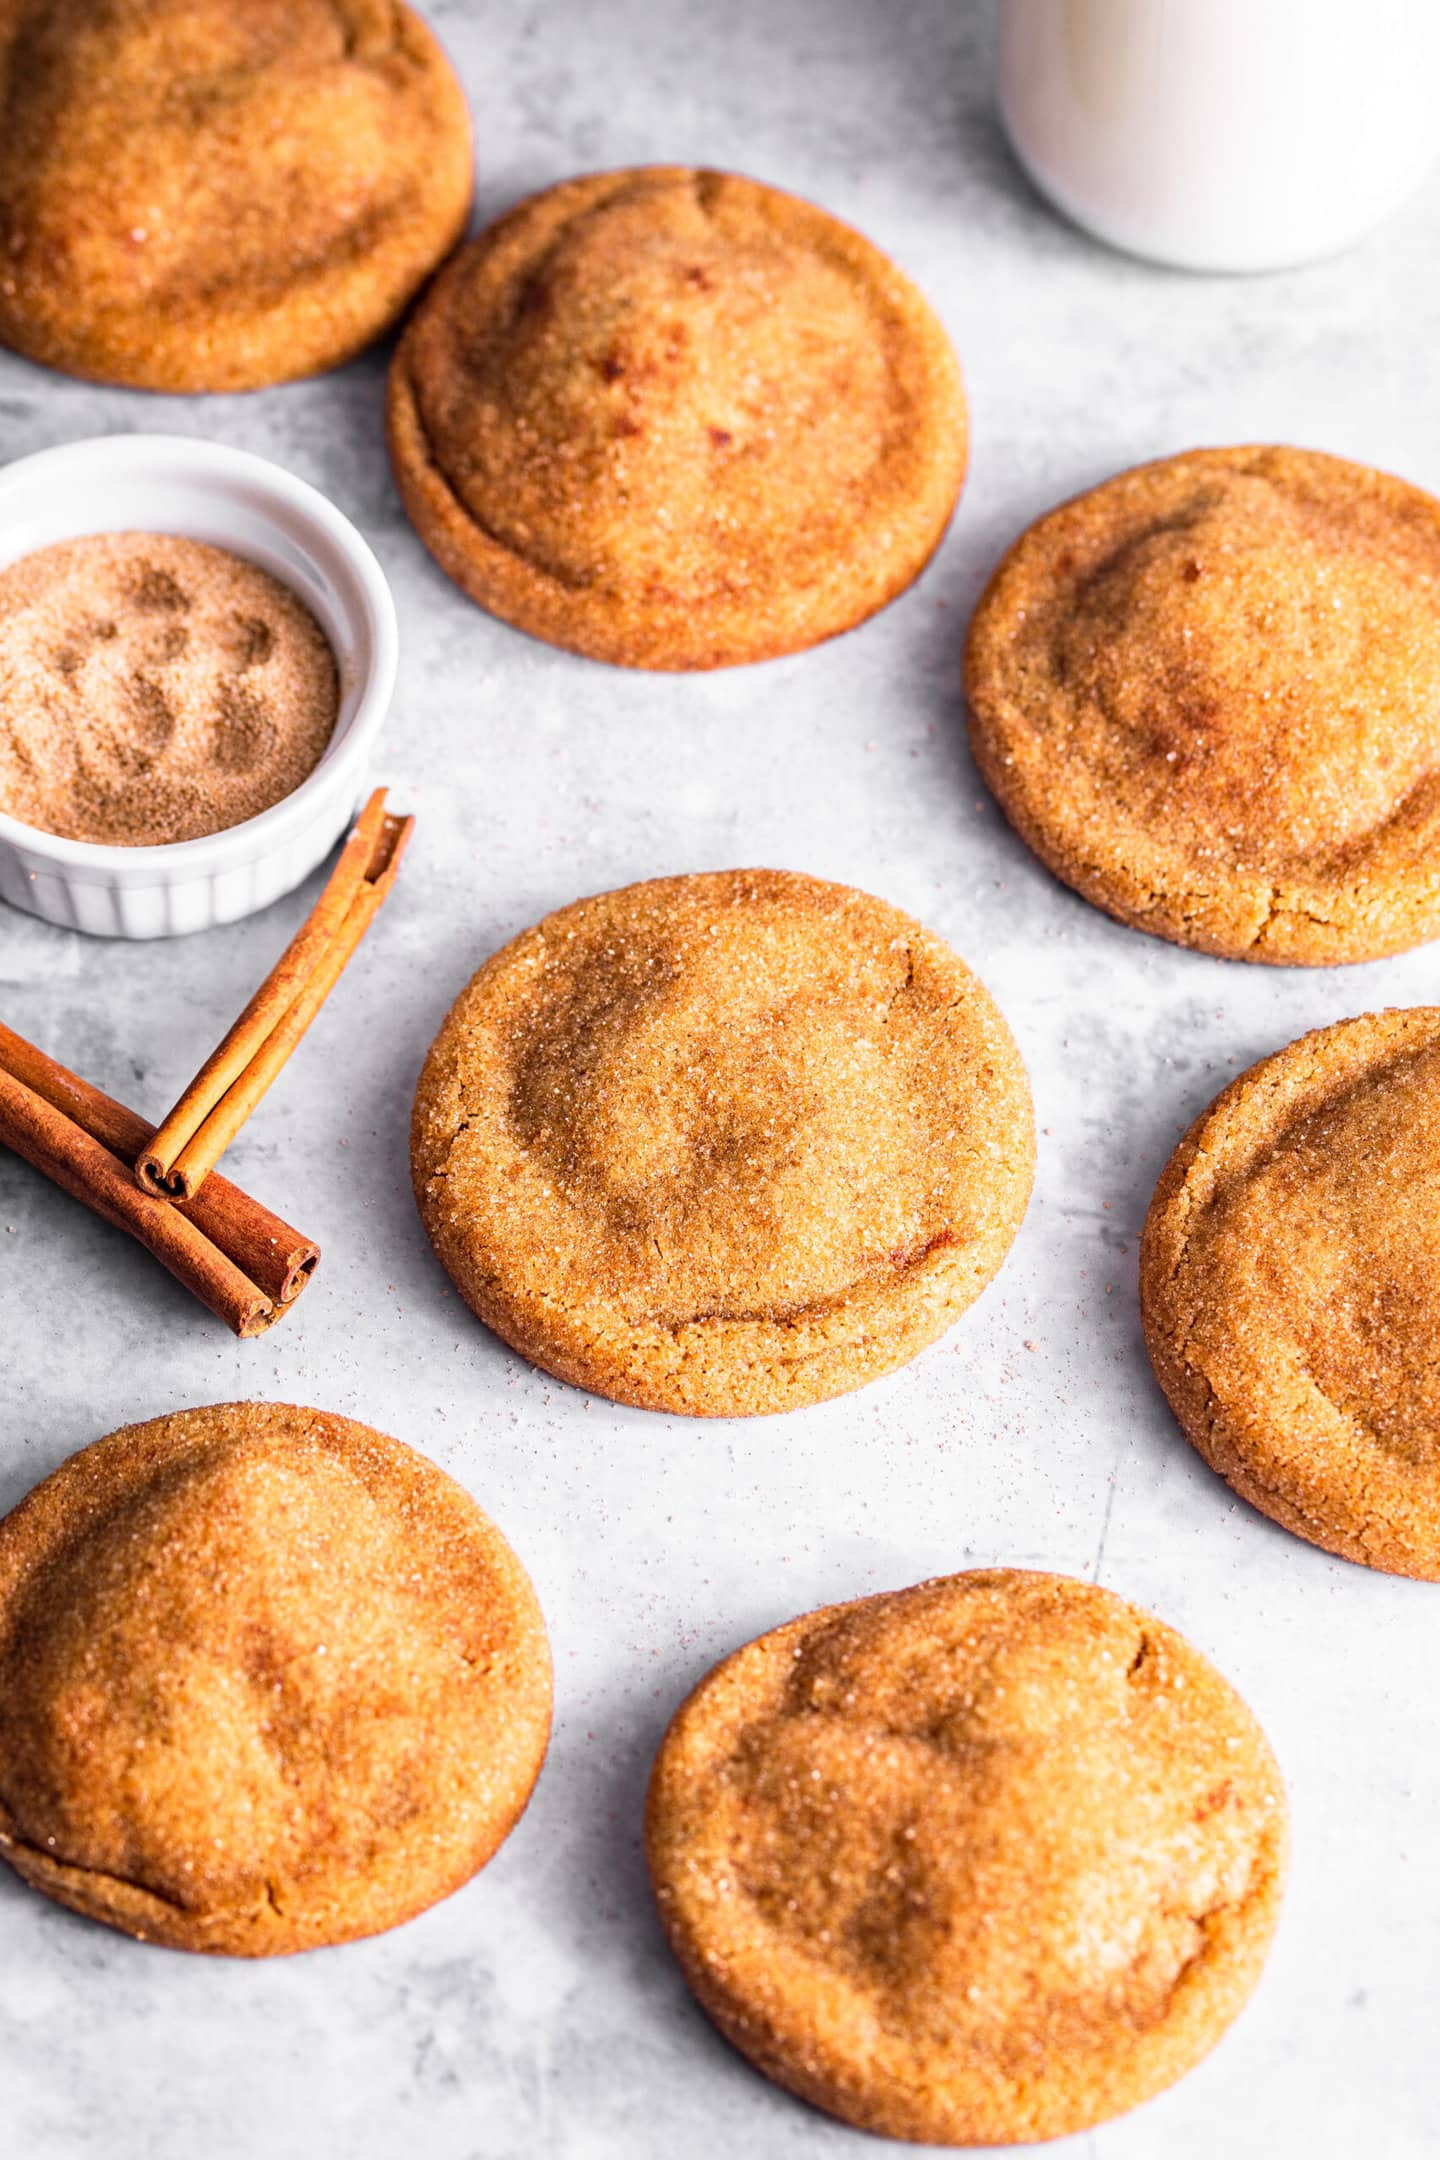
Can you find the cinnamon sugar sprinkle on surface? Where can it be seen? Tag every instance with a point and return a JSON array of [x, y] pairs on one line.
[[153, 689]]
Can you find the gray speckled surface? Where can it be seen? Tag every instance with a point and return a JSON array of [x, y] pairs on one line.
[[537, 2013]]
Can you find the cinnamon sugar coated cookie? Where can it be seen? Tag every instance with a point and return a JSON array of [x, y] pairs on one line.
[[677, 419], [1290, 1286], [723, 1144], [1207, 694], [981, 1862], [220, 194], [268, 1680]]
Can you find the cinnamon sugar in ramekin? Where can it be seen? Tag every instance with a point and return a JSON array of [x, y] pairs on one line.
[[154, 689]]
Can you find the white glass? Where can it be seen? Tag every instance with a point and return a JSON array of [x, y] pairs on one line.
[[1223, 134]]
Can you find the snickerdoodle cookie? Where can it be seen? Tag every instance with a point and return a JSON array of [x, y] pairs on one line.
[[677, 419], [1208, 696], [976, 1863], [1290, 1285], [723, 1144], [267, 1680], [219, 194]]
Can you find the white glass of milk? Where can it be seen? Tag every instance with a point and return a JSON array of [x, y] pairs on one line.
[[1223, 134]]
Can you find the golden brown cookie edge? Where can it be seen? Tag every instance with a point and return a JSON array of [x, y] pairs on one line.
[[593, 623], [914, 2118], [45, 1512], [297, 336], [1202, 1418], [928, 1307], [1246, 919]]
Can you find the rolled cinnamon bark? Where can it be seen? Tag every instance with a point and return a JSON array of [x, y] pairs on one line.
[[277, 1259], [79, 1165], [155, 1165], [190, 1170]]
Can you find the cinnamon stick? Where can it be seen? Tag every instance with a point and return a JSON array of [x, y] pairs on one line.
[[71, 1159], [191, 1168], [155, 1164], [277, 1259]]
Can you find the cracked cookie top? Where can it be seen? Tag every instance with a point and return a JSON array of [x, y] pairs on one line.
[[979, 1862], [1290, 1283], [1207, 694], [677, 419], [268, 1680], [723, 1143], [199, 195]]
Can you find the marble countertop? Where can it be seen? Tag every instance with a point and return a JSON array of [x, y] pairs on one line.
[[538, 2013]]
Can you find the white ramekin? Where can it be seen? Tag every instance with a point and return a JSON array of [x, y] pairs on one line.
[[204, 491]]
